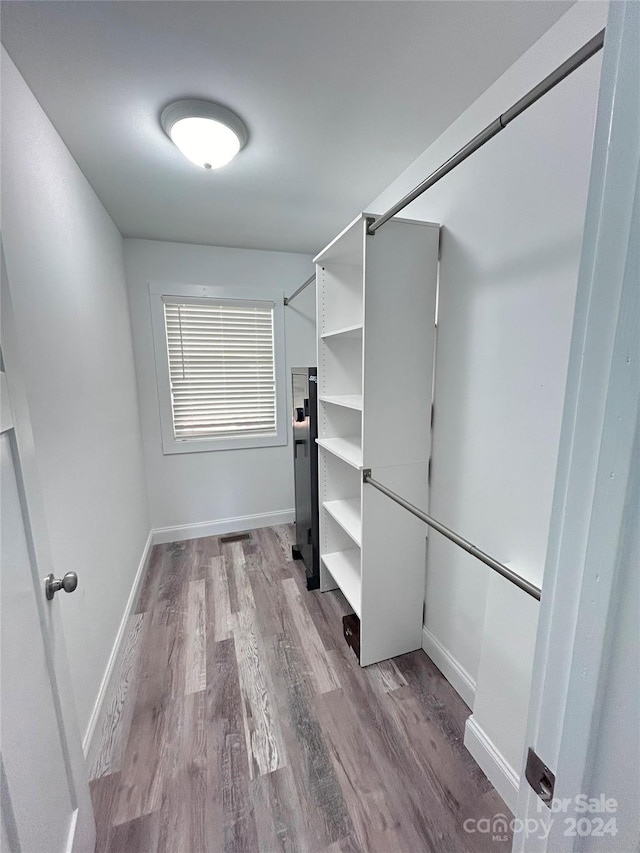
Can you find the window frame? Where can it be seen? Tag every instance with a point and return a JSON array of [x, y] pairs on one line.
[[199, 293]]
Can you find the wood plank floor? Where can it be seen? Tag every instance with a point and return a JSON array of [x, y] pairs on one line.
[[240, 721]]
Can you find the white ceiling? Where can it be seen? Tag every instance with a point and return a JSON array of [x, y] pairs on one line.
[[339, 97]]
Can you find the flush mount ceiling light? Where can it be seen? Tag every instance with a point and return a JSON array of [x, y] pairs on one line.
[[207, 134]]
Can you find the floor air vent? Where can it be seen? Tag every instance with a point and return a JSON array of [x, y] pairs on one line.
[[235, 537]]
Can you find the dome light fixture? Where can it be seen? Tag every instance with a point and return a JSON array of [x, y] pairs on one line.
[[208, 134]]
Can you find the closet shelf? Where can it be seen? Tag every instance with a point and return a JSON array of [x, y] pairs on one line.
[[349, 401], [347, 514], [344, 568], [347, 449], [354, 331]]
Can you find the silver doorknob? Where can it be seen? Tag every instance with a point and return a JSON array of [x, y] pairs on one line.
[[68, 583]]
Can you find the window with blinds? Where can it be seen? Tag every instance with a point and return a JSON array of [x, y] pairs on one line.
[[221, 368]]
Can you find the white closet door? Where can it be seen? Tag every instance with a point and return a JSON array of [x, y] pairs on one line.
[[45, 799]]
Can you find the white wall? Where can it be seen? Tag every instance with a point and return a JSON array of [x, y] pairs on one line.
[[513, 217], [66, 277], [209, 487]]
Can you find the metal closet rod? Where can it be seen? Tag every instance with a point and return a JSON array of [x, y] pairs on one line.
[[505, 571], [568, 67], [288, 299]]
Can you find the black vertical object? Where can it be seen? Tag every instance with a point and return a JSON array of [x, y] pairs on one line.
[[305, 470]]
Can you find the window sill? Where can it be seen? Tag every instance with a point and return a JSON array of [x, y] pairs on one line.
[[207, 445]]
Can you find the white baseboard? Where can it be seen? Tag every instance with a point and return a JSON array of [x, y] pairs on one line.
[[113, 657], [495, 766], [452, 670], [223, 525], [497, 769]]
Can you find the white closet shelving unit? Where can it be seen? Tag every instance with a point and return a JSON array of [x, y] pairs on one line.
[[376, 334]]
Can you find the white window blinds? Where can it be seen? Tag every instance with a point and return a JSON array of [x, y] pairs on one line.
[[221, 367]]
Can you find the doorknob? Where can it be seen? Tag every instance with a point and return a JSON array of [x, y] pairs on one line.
[[68, 583]]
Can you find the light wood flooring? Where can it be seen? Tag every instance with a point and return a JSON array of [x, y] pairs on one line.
[[240, 721]]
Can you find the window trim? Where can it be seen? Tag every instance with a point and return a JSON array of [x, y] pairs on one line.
[[170, 445]]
